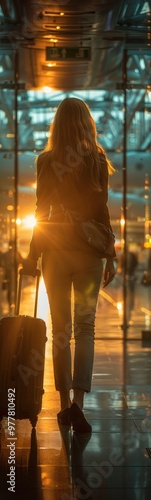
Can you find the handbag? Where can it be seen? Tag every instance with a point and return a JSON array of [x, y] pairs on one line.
[[96, 234]]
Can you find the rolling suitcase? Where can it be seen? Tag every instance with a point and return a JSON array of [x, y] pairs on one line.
[[22, 354]]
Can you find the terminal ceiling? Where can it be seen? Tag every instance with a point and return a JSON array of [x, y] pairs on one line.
[[108, 30]]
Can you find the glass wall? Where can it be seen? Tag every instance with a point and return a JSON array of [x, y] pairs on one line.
[[35, 112], [7, 212]]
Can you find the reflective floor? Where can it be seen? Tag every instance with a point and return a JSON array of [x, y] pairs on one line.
[[114, 463]]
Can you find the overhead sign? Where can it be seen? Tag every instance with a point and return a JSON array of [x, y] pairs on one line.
[[68, 53]]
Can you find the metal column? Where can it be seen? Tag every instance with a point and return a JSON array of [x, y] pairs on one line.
[[125, 326], [15, 166]]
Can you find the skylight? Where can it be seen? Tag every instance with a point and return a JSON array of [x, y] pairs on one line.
[[145, 8]]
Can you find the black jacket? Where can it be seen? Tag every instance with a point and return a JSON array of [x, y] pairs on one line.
[[56, 185]]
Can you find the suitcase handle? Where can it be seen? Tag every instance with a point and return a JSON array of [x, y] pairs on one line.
[[21, 274]]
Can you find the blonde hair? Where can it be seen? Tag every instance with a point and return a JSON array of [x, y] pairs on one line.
[[73, 127]]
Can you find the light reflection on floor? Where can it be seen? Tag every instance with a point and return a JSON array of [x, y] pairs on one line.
[[114, 463]]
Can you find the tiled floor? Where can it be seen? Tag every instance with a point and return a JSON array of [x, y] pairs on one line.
[[114, 463]]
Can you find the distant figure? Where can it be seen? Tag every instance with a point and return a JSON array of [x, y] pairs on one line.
[[8, 261], [149, 262], [131, 266], [72, 172], [132, 263], [146, 278]]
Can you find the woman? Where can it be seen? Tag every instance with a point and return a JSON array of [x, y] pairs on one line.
[[72, 172]]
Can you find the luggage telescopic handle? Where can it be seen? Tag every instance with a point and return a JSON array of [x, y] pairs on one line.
[[21, 274]]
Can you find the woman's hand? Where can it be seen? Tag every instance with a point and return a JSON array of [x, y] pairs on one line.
[[109, 272], [29, 267]]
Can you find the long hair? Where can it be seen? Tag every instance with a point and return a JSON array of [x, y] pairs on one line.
[[73, 141]]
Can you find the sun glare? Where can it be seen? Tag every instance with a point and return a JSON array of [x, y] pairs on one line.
[[29, 222]]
